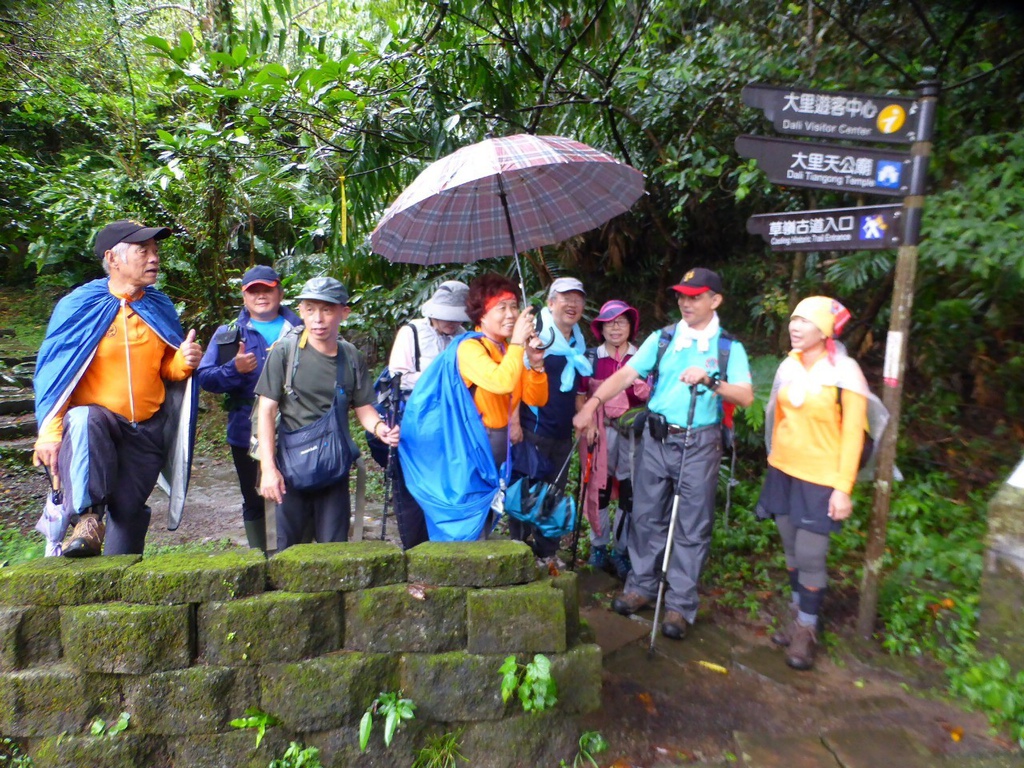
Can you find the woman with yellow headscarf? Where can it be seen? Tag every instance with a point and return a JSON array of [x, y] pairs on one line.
[[814, 430]]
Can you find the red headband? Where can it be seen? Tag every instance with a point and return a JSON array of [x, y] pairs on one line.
[[494, 301]]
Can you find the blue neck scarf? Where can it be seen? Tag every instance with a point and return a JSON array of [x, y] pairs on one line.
[[575, 353]]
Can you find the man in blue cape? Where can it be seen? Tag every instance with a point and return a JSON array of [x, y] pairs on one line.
[[115, 403]]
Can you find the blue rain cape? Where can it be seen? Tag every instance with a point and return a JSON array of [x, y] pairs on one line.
[[446, 457], [76, 326]]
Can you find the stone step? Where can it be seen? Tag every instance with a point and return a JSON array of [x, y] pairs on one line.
[[19, 449], [20, 425], [16, 400]]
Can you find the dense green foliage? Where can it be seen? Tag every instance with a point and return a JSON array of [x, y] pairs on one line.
[[278, 131]]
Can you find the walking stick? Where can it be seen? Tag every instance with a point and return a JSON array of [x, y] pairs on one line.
[[584, 482], [672, 520], [395, 398]]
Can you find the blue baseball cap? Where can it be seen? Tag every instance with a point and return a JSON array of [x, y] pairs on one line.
[[261, 275]]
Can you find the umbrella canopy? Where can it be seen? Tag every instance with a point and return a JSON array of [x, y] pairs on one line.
[[501, 196]]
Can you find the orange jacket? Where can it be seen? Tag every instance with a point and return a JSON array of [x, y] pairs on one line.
[[502, 379]]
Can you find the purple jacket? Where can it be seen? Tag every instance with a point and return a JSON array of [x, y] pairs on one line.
[[217, 372]]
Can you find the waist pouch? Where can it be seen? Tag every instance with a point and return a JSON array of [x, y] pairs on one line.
[[318, 454]]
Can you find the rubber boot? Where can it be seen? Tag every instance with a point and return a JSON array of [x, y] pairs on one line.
[[256, 533]]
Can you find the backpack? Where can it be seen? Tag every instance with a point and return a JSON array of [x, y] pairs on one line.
[[292, 341], [382, 385], [444, 451]]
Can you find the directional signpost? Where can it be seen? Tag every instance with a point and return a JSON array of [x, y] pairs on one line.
[[870, 227], [827, 166], [859, 117], [835, 114]]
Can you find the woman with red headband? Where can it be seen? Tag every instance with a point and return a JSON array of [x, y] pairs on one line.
[[494, 366], [814, 429]]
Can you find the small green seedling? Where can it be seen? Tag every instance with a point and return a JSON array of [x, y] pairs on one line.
[[531, 682], [258, 719], [395, 711], [99, 726]]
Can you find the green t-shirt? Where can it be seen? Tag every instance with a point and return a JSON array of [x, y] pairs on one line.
[[313, 382]]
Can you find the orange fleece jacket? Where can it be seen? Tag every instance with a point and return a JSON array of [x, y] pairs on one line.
[[498, 377]]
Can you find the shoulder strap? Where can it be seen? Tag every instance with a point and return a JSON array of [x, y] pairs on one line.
[[295, 345], [291, 342], [415, 346], [725, 340], [664, 339], [591, 355]]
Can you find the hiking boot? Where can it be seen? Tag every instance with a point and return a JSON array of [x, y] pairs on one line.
[[599, 559], [629, 602], [87, 538], [784, 634], [674, 626], [802, 647], [621, 564]]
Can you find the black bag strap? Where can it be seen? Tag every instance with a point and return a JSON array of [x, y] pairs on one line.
[[294, 349], [415, 346]]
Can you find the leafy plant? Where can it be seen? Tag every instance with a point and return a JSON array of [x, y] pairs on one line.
[[591, 743], [440, 751], [258, 719], [11, 755], [99, 726], [532, 683], [394, 709], [298, 756], [992, 686]]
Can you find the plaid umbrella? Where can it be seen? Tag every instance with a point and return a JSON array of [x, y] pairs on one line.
[[500, 196]]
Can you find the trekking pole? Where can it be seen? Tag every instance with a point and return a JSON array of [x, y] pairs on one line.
[[584, 482], [395, 397], [672, 519]]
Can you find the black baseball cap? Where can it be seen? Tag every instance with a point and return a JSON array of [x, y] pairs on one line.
[[127, 231], [698, 281]]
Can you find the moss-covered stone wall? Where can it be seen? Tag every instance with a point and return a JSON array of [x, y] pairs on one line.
[[1002, 583], [186, 643]]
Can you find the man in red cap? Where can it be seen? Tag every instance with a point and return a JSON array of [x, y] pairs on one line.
[[114, 397], [232, 365], [687, 362]]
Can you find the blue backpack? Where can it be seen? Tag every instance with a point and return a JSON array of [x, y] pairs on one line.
[[446, 457]]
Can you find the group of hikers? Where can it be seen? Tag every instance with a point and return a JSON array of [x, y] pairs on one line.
[[116, 403]]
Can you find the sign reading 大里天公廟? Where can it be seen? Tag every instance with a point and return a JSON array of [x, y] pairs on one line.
[[835, 114], [872, 227], [829, 166]]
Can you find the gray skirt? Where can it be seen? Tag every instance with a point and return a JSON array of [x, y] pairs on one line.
[[805, 503]]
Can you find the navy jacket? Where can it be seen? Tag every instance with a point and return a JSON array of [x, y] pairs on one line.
[[223, 378]]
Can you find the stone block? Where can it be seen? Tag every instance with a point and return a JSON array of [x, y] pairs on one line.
[[577, 673], [871, 747], [494, 563], [194, 700], [28, 635], [457, 686], [339, 747], [125, 750], [128, 639], [403, 618], [235, 749], [526, 740], [271, 627], [337, 567], [327, 692], [64, 581], [195, 578], [569, 583], [529, 619], [43, 701]]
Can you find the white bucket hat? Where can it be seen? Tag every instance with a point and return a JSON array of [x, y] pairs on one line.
[[448, 302]]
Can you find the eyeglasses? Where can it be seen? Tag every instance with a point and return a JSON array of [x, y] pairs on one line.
[[618, 322]]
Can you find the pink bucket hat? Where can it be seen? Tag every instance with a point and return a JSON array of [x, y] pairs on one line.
[[611, 310]]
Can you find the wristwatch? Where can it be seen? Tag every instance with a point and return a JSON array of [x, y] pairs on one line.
[[714, 381]]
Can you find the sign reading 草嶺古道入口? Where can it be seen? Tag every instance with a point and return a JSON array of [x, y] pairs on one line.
[[870, 227], [835, 114], [827, 166]]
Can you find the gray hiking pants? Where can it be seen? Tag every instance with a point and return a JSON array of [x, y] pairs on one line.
[[653, 491]]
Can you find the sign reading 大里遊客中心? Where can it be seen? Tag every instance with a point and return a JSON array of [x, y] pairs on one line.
[[835, 114]]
